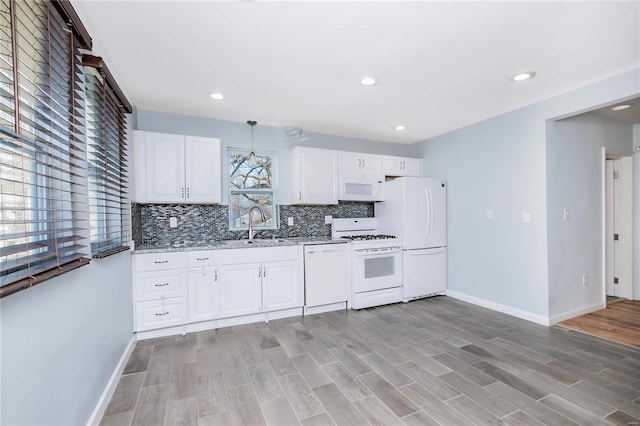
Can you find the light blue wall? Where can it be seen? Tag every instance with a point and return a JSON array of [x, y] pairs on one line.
[[501, 164], [61, 341], [266, 138], [574, 181]]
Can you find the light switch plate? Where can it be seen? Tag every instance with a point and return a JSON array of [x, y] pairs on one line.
[[328, 220], [526, 217], [173, 222]]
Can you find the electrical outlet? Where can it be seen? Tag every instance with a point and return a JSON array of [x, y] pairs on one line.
[[173, 222], [328, 220], [565, 214], [585, 279], [290, 221], [490, 214], [526, 217]]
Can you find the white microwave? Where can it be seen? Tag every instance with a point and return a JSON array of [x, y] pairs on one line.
[[360, 187]]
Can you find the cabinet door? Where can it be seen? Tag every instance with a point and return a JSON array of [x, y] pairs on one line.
[[281, 285], [412, 167], [165, 168], [314, 173], [240, 289], [359, 162], [202, 180], [203, 294], [401, 166]]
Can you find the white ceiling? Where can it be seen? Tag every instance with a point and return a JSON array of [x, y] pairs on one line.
[[441, 65]]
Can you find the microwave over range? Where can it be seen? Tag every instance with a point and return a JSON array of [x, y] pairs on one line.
[[360, 187]]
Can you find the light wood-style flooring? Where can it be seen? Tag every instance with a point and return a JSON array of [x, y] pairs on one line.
[[435, 361], [619, 322]]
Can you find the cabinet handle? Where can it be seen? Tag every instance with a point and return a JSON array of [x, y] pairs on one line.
[[161, 285], [403, 165], [215, 275], [164, 313], [160, 261], [264, 271], [299, 195], [259, 272], [202, 258], [363, 160], [182, 192], [187, 192]]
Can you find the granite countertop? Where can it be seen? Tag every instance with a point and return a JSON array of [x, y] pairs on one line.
[[234, 244]]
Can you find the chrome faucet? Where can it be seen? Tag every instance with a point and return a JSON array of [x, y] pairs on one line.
[[262, 217]]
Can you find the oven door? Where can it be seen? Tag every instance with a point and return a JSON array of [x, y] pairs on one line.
[[376, 269]]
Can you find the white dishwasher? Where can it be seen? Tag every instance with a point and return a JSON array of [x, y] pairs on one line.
[[327, 274]]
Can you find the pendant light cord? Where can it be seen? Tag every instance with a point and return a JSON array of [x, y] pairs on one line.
[[252, 123]]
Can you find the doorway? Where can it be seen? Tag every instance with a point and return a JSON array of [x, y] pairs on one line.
[[618, 229]]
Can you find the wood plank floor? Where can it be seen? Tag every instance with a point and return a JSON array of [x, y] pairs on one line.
[[620, 322], [435, 361]]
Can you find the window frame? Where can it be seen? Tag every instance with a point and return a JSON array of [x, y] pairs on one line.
[[272, 212]]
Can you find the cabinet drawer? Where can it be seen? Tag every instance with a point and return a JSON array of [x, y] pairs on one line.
[[159, 261], [202, 258], [160, 284], [161, 313]]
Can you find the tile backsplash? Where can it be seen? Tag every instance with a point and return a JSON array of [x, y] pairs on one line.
[[208, 223]]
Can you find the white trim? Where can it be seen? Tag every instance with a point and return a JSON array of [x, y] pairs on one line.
[[577, 312], [538, 319], [312, 310], [101, 406], [603, 178]]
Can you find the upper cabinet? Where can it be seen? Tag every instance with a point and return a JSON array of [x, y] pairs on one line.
[[359, 163], [401, 166], [313, 175], [176, 169]]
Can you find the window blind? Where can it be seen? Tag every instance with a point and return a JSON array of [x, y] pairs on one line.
[[43, 178], [106, 156]]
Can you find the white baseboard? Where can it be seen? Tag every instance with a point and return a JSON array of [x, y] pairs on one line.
[[312, 310], [101, 406], [577, 312], [538, 319]]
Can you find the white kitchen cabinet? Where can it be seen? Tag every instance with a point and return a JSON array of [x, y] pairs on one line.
[[176, 169], [160, 291], [401, 166], [280, 285], [203, 293], [240, 289], [314, 174], [357, 162]]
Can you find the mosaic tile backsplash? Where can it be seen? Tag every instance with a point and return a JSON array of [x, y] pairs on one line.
[[208, 223]]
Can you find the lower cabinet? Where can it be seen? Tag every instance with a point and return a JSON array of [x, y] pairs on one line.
[[280, 285], [240, 290], [200, 288], [203, 285]]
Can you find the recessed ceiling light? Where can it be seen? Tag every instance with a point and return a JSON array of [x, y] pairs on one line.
[[621, 107], [400, 128], [217, 96], [368, 81], [524, 76]]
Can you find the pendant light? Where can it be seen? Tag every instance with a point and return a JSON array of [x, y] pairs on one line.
[[252, 154]]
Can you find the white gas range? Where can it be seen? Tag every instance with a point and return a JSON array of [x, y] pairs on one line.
[[376, 263]]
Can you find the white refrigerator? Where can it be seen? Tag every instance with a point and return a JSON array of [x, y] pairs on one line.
[[415, 210]]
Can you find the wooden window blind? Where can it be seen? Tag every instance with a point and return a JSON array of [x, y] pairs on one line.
[[43, 179], [107, 161]]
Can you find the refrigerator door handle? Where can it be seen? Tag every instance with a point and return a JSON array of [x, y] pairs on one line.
[[425, 252], [430, 210]]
